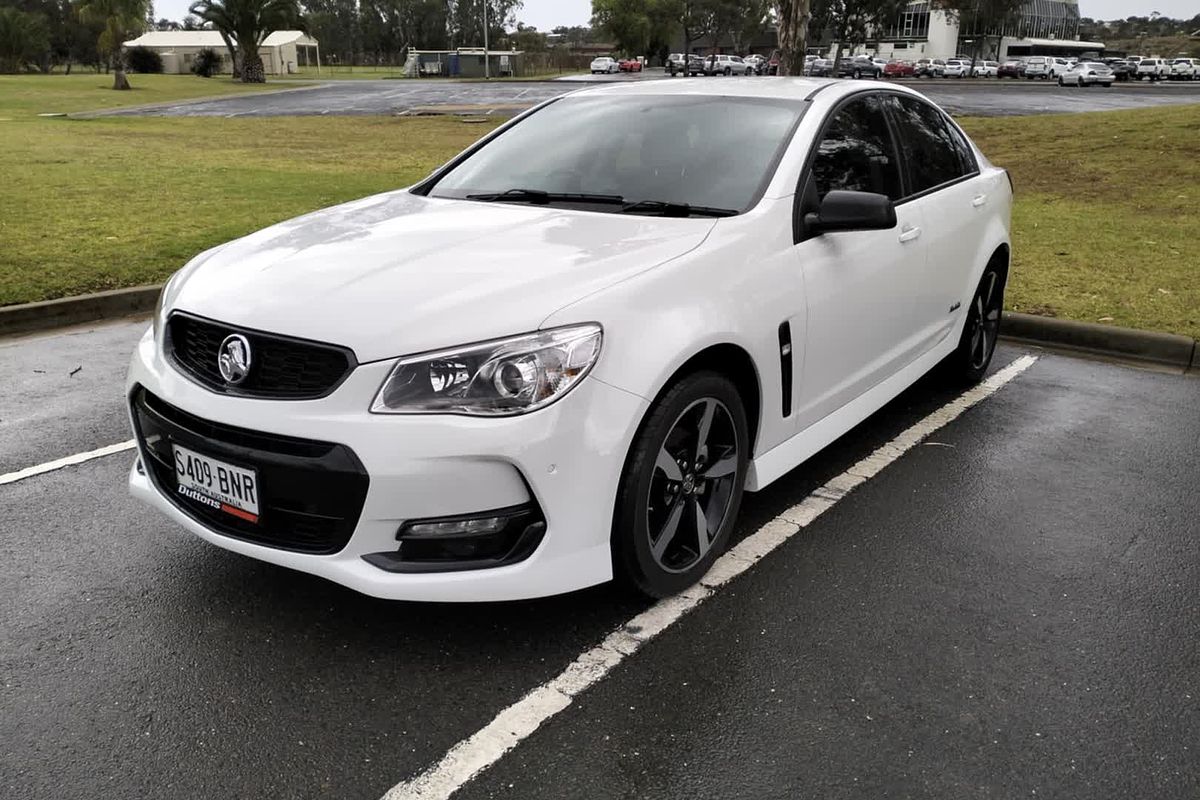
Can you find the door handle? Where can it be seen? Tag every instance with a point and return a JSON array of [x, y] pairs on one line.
[[908, 233], [980, 200]]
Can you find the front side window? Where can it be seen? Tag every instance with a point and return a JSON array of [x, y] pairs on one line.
[[856, 152], [933, 150], [699, 150]]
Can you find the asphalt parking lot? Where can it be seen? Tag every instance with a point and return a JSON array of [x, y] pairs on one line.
[[1007, 610], [978, 97]]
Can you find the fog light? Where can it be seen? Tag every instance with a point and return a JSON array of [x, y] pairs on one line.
[[453, 527], [471, 541]]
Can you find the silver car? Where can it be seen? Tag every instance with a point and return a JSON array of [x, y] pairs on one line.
[[1087, 73]]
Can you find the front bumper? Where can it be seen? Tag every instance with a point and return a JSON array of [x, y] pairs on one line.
[[564, 460]]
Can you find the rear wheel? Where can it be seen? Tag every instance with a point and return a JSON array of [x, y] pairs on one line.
[[680, 492], [971, 358]]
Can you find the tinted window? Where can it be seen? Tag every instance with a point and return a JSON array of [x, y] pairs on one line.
[[934, 151], [856, 152], [703, 150]]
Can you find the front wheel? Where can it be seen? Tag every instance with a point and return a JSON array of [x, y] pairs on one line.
[[681, 489], [971, 358]]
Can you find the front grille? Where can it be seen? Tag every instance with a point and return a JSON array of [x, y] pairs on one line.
[[310, 494], [281, 367]]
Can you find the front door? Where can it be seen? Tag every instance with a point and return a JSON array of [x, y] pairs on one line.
[[861, 286]]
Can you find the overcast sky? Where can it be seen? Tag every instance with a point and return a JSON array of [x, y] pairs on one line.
[[546, 14]]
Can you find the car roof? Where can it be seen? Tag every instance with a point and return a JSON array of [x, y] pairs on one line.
[[784, 88]]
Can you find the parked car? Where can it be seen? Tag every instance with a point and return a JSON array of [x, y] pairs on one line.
[[725, 64], [1121, 69], [929, 67], [605, 65], [630, 65], [773, 63], [1012, 68], [531, 371], [1038, 67], [899, 69], [986, 69], [1185, 69], [858, 67], [677, 63], [1153, 69], [821, 68], [1059, 65], [1087, 73], [755, 62], [956, 68]]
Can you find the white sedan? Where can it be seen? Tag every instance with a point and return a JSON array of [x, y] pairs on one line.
[[1087, 73], [605, 65], [564, 355]]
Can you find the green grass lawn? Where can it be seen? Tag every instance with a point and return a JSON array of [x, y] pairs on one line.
[[1104, 225], [29, 95]]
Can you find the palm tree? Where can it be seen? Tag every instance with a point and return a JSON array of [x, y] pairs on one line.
[[246, 23], [122, 19]]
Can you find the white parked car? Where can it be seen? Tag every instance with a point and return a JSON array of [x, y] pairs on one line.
[[1155, 69], [725, 64], [956, 68], [1185, 69], [605, 64], [1087, 73], [565, 354], [987, 69]]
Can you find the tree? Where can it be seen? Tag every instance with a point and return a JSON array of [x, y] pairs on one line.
[[24, 37], [793, 20], [466, 20], [247, 23], [122, 20]]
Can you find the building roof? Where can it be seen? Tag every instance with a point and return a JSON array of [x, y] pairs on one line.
[[178, 39], [210, 39], [1069, 43]]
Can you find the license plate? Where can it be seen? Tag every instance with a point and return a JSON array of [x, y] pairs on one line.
[[216, 484]]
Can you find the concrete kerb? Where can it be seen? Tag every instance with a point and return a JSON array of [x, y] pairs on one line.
[[49, 314], [1162, 349]]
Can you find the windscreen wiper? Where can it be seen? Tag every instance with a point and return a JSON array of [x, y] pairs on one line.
[[539, 197], [668, 209]]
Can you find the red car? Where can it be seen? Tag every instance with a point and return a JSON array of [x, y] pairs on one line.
[[899, 69], [630, 65]]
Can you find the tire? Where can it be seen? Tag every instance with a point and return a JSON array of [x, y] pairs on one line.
[[648, 508], [728, 71], [857, 75], [1060, 82], [969, 361]]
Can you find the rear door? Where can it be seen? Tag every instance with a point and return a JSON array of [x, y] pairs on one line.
[[942, 181], [860, 286]]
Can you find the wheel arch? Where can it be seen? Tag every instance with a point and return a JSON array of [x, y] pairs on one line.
[[734, 362]]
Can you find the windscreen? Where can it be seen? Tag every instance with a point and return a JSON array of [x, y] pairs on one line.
[[700, 150]]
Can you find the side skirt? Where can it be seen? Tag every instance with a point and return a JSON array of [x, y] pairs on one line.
[[788, 455]]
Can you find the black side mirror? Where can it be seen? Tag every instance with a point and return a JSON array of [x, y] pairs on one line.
[[852, 211]]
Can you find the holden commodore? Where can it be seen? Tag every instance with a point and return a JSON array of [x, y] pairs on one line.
[[565, 355]]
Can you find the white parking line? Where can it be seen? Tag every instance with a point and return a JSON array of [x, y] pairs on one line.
[[485, 747], [68, 461]]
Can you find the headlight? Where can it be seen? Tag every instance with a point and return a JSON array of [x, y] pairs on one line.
[[498, 378]]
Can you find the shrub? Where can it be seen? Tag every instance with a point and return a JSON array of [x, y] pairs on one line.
[[144, 60], [206, 63]]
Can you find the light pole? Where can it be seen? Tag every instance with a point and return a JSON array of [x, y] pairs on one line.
[[487, 67]]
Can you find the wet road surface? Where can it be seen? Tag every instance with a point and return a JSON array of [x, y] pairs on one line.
[[979, 97], [1009, 607]]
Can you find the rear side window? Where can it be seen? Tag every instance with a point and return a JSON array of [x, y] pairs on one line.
[[856, 152], [934, 151]]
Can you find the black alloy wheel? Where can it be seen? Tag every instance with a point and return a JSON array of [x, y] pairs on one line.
[[682, 486], [969, 362]]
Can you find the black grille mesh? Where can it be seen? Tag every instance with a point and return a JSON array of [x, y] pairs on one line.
[[281, 367]]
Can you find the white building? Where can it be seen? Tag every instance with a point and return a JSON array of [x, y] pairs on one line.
[[282, 51], [1044, 27]]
